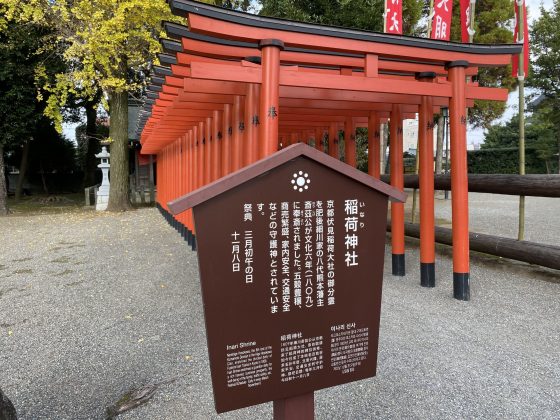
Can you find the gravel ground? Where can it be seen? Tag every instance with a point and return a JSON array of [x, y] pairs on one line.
[[92, 305], [498, 215]]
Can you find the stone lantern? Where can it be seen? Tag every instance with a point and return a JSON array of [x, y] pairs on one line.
[[103, 191]]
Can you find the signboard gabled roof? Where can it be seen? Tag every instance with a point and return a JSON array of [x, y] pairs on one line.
[[262, 166]]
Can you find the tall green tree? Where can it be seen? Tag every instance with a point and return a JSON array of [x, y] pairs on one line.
[[25, 53], [540, 135], [545, 70], [110, 45]]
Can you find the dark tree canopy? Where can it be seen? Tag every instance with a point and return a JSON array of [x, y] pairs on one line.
[[539, 135], [545, 70], [360, 14], [19, 108]]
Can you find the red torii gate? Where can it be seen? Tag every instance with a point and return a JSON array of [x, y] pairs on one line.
[[233, 88]]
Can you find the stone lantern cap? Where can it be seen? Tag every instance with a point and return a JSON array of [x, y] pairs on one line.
[[103, 154]]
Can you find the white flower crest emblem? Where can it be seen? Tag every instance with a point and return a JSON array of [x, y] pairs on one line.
[[301, 181]]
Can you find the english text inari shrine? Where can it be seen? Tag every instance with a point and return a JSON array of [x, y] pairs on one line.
[[233, 88]]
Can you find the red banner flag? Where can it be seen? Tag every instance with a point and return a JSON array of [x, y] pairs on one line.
[[465, 19], [441, 23], [515, 61], [393, 17]]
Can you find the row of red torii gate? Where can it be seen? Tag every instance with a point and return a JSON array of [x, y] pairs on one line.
[[233, 88]]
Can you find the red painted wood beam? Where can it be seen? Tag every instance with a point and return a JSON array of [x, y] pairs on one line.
[[230, 30]]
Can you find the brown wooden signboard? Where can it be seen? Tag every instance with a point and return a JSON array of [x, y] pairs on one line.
[[291, 256]]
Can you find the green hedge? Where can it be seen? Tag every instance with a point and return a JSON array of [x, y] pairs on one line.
[[504, 161]]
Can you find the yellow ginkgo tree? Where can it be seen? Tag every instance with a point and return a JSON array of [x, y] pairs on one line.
[[108, 45]]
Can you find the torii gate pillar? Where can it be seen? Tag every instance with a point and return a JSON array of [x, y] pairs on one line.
[[268, 133], [397, 181], [426, 171], [459, 180]]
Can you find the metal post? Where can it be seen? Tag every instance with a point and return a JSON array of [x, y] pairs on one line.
[[521, 80], [445, 112], [471, 20]]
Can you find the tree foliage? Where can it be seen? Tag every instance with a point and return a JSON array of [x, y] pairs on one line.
[[545, 70], [493, 25], [29, 57], [24, 56], [539, 136], [108, 45], [360, 14]]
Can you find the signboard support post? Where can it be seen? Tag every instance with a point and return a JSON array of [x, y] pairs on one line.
[[301, 407]]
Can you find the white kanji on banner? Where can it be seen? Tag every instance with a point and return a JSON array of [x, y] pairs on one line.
[[393, 17]]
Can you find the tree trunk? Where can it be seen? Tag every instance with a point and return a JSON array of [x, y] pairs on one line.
[[439, 145], [118, 131], [22, 169], [3, 187], [44, 180], [92, 143]]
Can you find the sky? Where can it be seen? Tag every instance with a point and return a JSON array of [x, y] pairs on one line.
[[475, 136]]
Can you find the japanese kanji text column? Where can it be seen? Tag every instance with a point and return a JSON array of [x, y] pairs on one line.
[[374, 147], [216, 145], [349, 142], [227, 131], [459, 179], [319, 139], [426, 183], [252, 123], [397, 181], [333, 140], [268, 133], [238, 125]]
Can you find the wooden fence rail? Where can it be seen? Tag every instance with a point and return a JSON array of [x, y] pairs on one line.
[[529, 252], [528, 185]]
